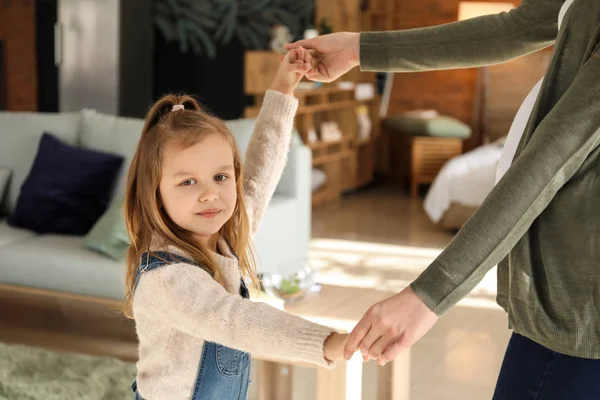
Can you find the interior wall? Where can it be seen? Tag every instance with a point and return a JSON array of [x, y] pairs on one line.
[[17, 31], [508, 85]]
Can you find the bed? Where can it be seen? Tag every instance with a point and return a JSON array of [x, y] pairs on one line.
[[462, 185]]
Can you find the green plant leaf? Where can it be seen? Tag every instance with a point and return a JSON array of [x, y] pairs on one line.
[[221, 6], [174, 6], [260, 29], [195, 44], [202, 6], [258, 5], [269, 17], [206, 40], [166, 28], [288, 20], [222, 29], [203, 21], [199, 39], [230, 22], [289, 286], [258, 41], [183, 42], [197, 24], [212, 14], [242, 37], [160, 8]]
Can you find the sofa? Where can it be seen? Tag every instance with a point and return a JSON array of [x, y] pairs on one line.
[[64, 264]]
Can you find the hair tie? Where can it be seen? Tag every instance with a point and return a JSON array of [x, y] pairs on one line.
[[178, 107]]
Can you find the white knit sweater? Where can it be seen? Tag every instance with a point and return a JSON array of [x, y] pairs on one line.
[[178, 307]]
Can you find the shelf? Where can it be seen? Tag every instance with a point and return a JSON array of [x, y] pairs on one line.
[[330, 106], [319, 145], [325, 196], [252, 112], [319, 91], [326, 159], [346, 162], [323, 145], [364, 142]]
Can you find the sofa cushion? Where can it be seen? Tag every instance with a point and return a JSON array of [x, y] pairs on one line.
[[285, 218], [61, 263], [4, 176], [67, 189], [9, 234], [242, 131], [117, 135], [109, 235], [440, 126], [20, 134]]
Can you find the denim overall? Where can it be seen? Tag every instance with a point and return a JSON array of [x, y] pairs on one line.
[[223, 373]]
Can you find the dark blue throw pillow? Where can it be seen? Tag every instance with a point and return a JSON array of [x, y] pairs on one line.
[[67, 189]]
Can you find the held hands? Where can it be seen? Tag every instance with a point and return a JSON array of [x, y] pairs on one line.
[[337, 54], [385, 330], [390, 326], [334, 346], [322, 59], [294, 65]]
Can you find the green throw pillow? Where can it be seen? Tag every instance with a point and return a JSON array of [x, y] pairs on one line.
[[440, 126], [4, 176], [109, 234]]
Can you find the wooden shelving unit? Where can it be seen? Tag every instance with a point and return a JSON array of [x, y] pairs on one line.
[[379, 15], [348, 163]]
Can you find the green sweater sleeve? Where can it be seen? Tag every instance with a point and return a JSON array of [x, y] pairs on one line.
[[480, 41], [558, 147]]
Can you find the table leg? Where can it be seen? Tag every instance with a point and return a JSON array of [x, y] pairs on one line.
[[394, 378], [274, 380], [344, 382]]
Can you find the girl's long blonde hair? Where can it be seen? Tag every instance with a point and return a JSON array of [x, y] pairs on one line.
[[146, 218]]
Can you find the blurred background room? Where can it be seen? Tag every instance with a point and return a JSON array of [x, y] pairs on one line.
[[383, 170]]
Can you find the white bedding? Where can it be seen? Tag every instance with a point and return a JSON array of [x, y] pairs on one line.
[[466, 180]]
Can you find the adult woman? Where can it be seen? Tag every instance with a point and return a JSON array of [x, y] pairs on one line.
[[540, 221]]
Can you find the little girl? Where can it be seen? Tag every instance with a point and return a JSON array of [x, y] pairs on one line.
[[190, 213]]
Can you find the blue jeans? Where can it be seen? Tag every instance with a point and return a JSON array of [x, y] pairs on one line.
[[532, 372]]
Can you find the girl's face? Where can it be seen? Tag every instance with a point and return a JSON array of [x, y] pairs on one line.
[[197, 187]]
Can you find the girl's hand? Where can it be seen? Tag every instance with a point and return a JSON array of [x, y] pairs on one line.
[[334, 346], [294, 65]]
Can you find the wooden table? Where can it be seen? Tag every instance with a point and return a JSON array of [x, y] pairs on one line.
[[64, 322], [341, 308]]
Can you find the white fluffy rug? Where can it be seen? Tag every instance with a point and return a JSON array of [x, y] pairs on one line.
[[28, 373]]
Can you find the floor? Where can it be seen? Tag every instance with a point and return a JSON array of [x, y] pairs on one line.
[[383, 239], [379, 239]]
